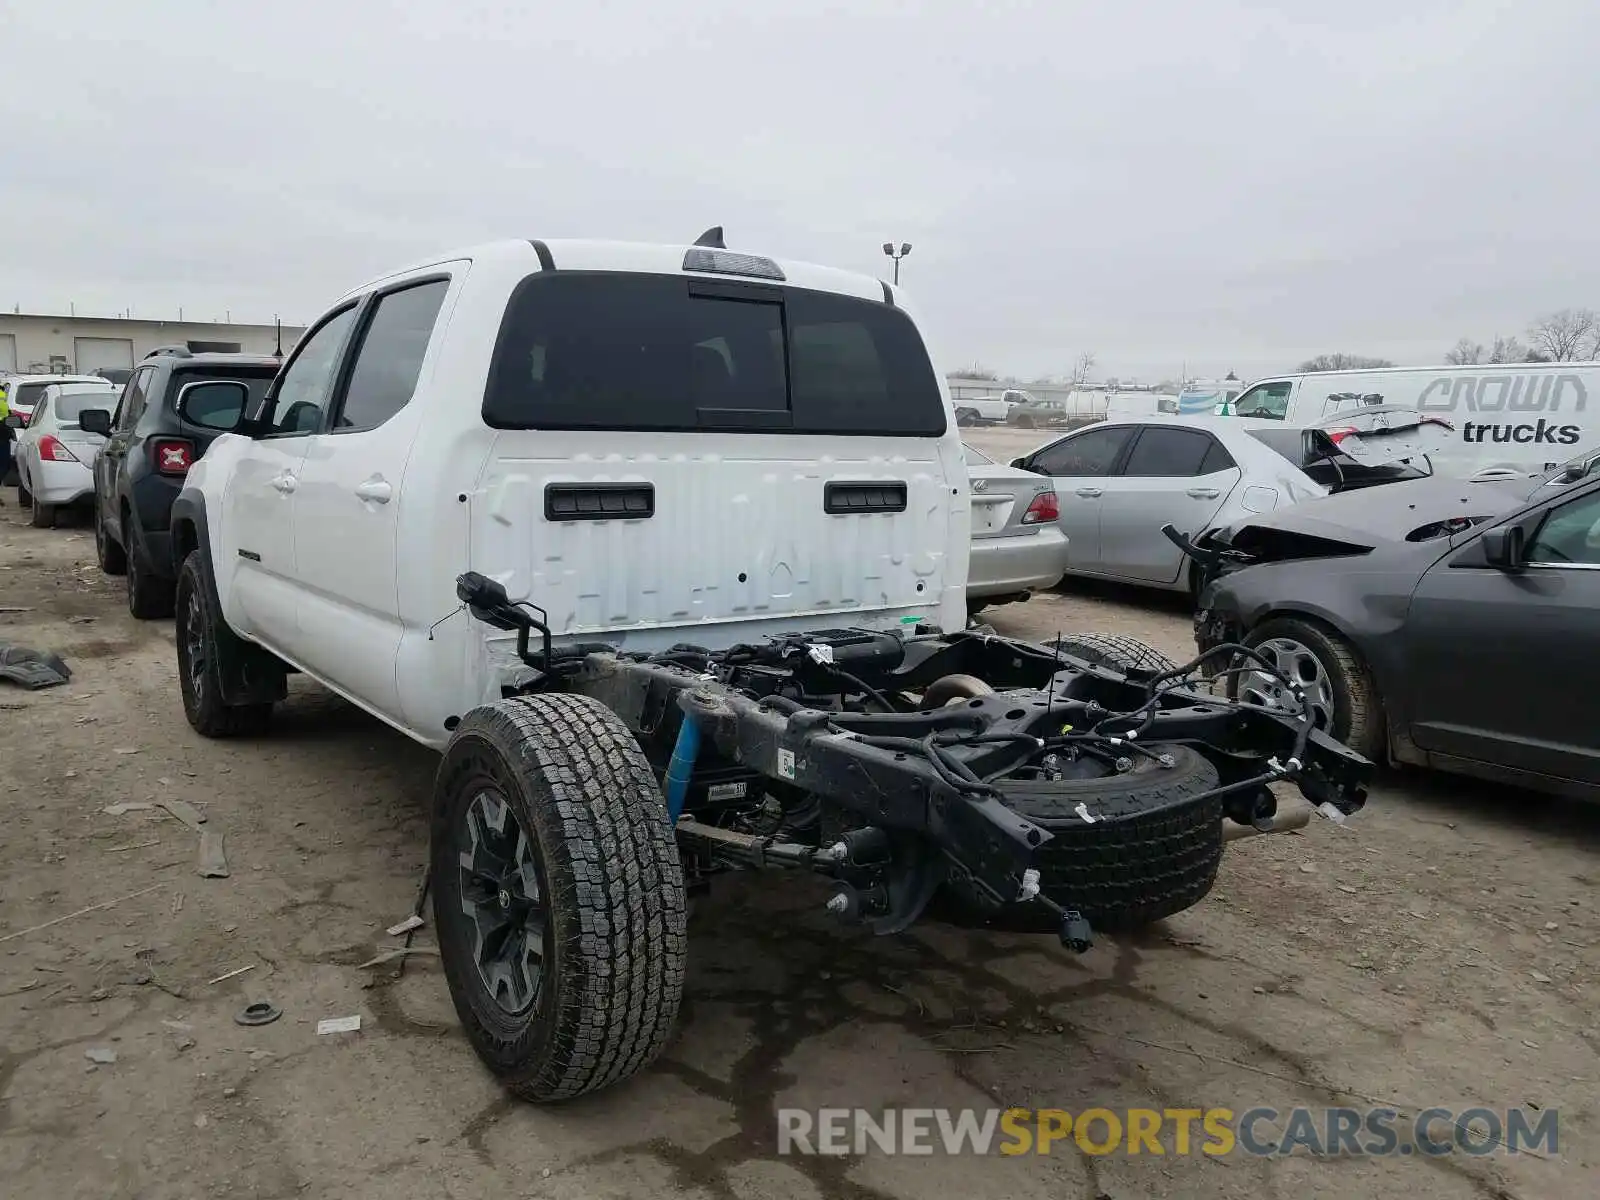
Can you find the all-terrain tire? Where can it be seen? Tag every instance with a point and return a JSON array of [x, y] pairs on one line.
[[201, 640], [113, 559], [1357, 708], [150, 597], [614, 944], [1152, 850], [1112, 650]]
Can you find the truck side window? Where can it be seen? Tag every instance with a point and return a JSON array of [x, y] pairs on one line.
[[1265, 400], [307, 381], [389, 358]]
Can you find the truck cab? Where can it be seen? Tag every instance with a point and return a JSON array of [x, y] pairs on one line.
[[655, 444]]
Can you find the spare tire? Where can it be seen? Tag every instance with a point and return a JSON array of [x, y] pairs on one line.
[[1151, 850], [1112, 650]]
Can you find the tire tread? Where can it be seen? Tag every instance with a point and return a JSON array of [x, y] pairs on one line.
[[616, 895]]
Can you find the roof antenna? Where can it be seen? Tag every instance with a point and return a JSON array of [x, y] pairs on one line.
[[278, 323], [712, 238]]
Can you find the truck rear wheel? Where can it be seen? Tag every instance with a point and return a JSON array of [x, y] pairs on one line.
[[558, 895]]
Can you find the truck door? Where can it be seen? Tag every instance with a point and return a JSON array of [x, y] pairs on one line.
[[350, 492], [257, 580]]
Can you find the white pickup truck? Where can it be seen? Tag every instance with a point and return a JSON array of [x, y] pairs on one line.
[[988, 410], [664, 548]]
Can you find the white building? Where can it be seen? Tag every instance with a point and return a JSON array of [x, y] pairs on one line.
[[37, 344]]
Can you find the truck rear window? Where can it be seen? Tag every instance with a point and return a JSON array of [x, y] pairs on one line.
[[611, 350]]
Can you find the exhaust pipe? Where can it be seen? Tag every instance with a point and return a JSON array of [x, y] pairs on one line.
[[1297, 816]]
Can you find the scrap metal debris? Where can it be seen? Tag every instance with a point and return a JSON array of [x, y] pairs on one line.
[[231, 974], [213, 862], [128, 806], [389, 956], [406, 926], [262, 1012], [32, 669]]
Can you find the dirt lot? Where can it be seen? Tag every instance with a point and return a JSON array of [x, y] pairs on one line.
[[1442, 949]]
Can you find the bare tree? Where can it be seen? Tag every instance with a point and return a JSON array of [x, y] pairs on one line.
[[1343, 362], [1081, 368], [1507, 350], [1565, 336], [1465, 353]]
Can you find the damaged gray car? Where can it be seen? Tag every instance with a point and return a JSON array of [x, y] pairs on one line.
[[1431, 622]]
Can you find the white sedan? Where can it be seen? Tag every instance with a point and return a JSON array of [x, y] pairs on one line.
[[54, 455], [1120, 481]]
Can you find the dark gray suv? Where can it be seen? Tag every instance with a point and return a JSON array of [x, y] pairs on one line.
[[148, 451]]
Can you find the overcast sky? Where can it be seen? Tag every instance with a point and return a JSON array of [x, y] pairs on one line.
[[1228, 183]]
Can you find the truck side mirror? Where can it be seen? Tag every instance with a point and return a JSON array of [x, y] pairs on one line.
[[95, 420]]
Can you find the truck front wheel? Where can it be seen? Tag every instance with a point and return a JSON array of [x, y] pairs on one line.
[[203, 639], [558, 895]]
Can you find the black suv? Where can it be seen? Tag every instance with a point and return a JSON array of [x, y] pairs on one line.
[[148, 451]]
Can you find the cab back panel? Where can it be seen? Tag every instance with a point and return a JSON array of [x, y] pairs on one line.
[[740, 534]]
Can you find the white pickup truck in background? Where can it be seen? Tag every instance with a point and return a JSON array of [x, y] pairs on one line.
[[988, 410]]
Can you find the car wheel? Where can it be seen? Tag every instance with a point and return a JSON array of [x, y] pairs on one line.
[[112, 558], [201, 638], [150, 597], [40, 514], [1335, 682], [966, 416], [558, 895], [24, 496]]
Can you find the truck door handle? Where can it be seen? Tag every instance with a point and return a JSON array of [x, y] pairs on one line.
[[1203, 493], [1089, 493], [284, 483], [376, 489]]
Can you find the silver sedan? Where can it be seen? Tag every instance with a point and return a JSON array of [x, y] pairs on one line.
[[1121, 481], [1018, 544]]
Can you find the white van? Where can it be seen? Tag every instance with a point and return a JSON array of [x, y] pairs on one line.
[[1520, 416], [1204, 397]]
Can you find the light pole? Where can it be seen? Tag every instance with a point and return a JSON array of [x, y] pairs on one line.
[[897, 255]]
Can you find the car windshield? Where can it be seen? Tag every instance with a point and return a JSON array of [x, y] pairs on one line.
[[73, 401], [1574, 469]]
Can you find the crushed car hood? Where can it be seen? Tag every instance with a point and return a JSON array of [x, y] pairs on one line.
[[1359, 521]]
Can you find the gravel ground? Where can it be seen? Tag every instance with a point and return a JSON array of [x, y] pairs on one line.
[[1441, 949]]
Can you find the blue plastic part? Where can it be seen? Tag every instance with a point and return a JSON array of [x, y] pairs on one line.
[[681, 768]]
